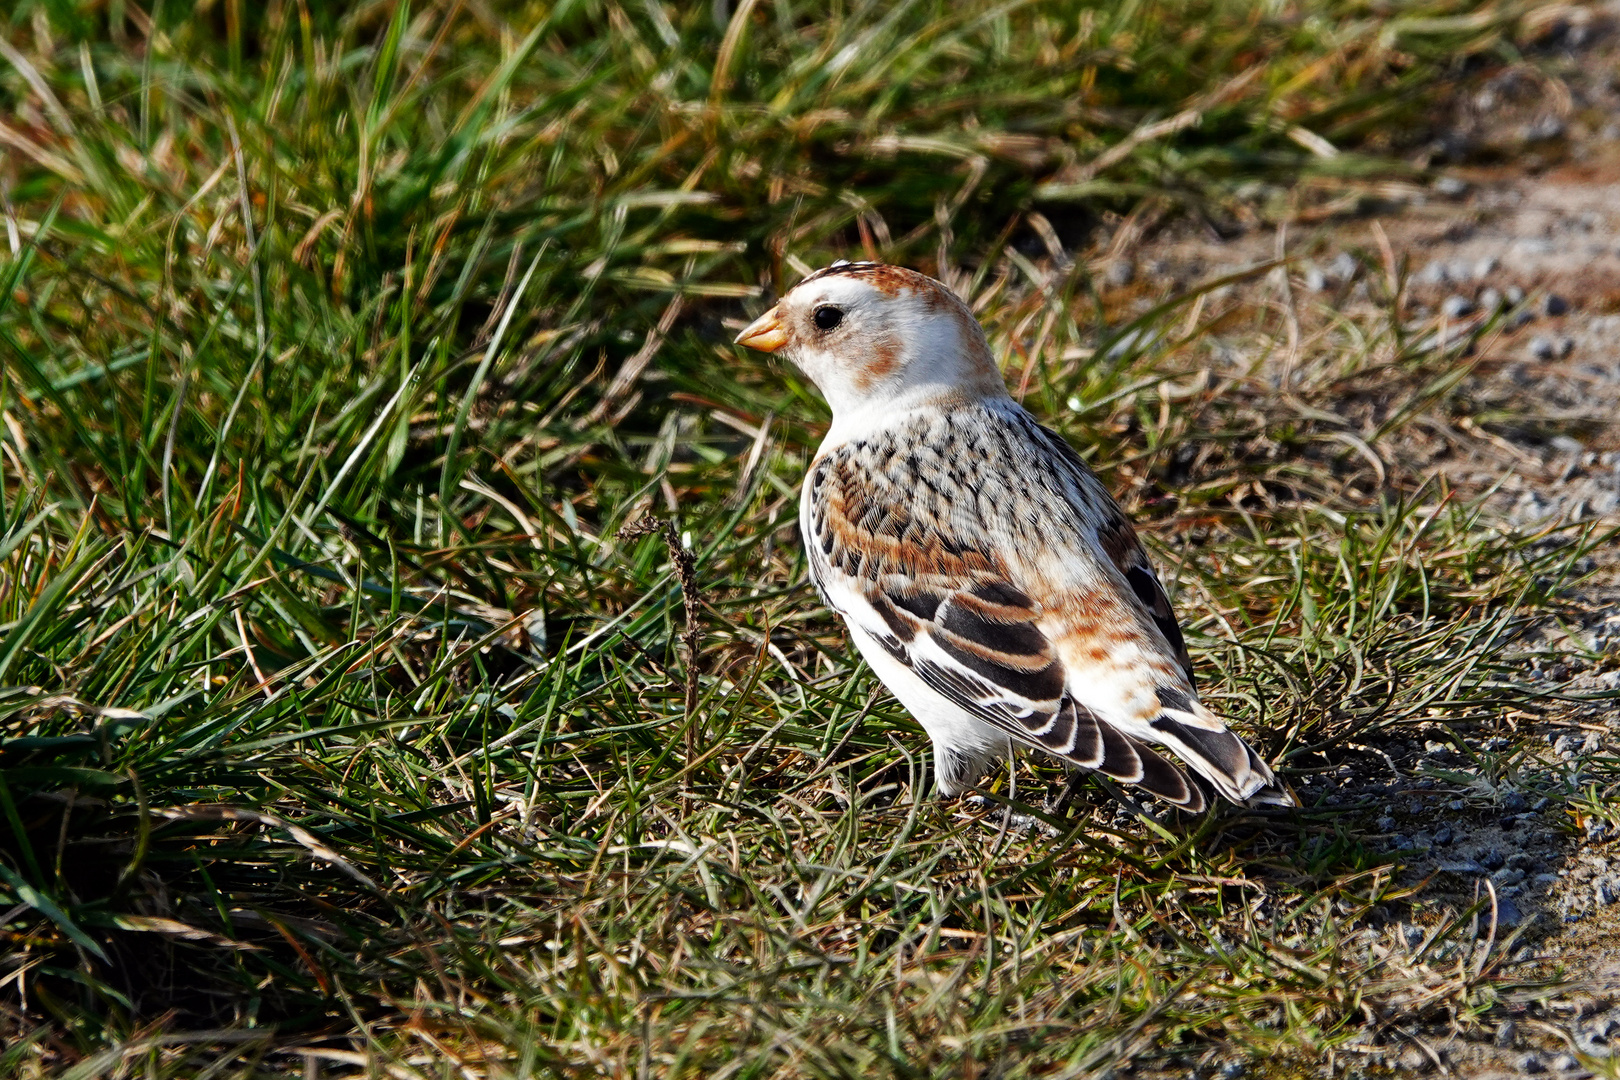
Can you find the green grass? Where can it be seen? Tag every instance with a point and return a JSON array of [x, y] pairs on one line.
[[344, 734]]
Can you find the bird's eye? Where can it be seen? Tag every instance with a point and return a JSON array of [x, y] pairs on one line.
[[828, 317]]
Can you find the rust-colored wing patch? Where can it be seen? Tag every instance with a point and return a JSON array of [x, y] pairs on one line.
[[936, 597]]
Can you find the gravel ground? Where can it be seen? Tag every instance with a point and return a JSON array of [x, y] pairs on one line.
[[1517, 245]]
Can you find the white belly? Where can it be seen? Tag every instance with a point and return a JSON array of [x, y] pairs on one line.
[[964, 746]]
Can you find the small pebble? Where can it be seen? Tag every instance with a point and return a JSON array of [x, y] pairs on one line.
[[1566, 1063], [1566, 345], [1507, 912], [1315, 280], [1602, 1029], [1485, 267], [1548, 127], [1490, 301], [1456, 306], [1514, 294], [1385, 824], [1343, 266], [1542, 348], [1435, 273], [1120, 272], [1457, 804], [1414, 1060], [1468, 867], [1506, 1032], [1606, 891], [1492, 859], [1532, 1063], [1450, 187], [1553, 304], [1442, 835], [1400, 842], [1514, 802], [1541, 804]]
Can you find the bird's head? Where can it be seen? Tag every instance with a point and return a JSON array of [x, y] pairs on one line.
[[873, 335]]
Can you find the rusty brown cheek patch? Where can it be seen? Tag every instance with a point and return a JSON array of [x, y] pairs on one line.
[[883, 362]]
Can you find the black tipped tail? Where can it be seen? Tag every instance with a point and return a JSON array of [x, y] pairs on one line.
[[1272, 792], [1077, 735], [1218, 755], [1166, 781]]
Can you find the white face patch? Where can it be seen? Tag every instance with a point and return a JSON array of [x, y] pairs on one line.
[[876, 337]]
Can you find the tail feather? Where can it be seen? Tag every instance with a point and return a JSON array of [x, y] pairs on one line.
[[1078, 735], [1162, 778], [1274, 793], [1094, 744], [1218, 755]]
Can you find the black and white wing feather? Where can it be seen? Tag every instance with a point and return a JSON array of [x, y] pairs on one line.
[[917, 552]]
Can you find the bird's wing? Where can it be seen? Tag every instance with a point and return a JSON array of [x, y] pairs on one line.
[[1182, 722], [1118, 540], [983, 554], [925, 588]]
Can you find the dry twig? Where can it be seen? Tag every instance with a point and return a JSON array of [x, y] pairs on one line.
[[686, 573]]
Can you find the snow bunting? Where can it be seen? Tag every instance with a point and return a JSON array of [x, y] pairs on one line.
[[982, 569]]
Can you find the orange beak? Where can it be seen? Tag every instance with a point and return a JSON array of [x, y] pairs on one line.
[[765, 333]]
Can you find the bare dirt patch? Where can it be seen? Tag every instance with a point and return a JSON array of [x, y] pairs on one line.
[[1513, 259]]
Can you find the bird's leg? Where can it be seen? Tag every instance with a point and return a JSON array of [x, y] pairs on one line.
[[1012, 796], [1057, 807]]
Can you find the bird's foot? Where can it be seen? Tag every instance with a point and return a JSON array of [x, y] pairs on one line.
[[1005, 817], [1058, 806]]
